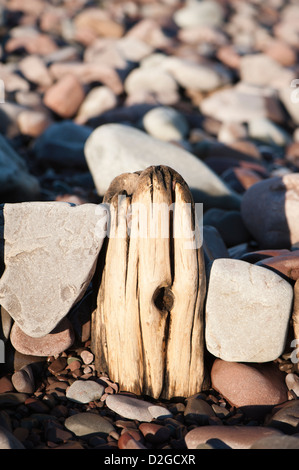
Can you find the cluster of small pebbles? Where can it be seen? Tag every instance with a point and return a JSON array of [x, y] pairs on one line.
[[94, 89]]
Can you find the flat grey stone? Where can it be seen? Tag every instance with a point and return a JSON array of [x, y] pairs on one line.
[[247, 312], [51, 250], [134, 408], [83, 391], [84, 424]]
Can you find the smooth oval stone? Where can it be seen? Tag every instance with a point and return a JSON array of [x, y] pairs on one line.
[[165, 123], [248, 309], [83, 391], [248, 385], [83, 424], [235, 437], [113, 149], [134, 408], [274, 221], [57, 341], [276, 442]]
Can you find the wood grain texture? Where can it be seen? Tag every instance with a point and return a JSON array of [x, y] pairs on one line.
[[147, 329]]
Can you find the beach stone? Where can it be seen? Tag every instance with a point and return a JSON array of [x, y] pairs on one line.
[[8, 440], [23, 380], [13, 81], [259, 69], [151, 82], [267, 131], [37, 44], [86, 423], [155, 433], [287, 265], [88, 73], [276, 442], [229, 224], [274, 221], [199, 14], [127, 441], [46, 242], [248, 385], [292, 382], [6, 384], [259, 300], [242, 104], [230, 132], [9, 399], [118, 53], [91, 23], [165, 123], [16, 183], [135, 408], [213, 244], [198, 411], [33, 123], [82, 391], [280, 51], [233, 437], [62, 145], [65, 96], [97, 101], [113, 149], [34, 69], [194, 76], [55, 342], [285, 417]]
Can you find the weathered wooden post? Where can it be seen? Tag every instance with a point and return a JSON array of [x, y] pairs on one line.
[[147, 329]]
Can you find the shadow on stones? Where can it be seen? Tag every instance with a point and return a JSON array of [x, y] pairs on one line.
[[277, 231], [217, 444]]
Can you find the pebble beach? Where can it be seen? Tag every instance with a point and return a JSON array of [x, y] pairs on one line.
[[90, 90]]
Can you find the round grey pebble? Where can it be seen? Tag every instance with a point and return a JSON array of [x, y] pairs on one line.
[[83, 391]]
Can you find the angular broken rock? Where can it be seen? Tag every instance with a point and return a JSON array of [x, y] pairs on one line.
[[50, 255], [248, 310]]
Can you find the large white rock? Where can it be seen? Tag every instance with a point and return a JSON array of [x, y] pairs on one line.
[[50, 255], [113, 149], [248, 309]]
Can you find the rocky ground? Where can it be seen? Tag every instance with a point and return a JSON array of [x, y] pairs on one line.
[[94, 89]]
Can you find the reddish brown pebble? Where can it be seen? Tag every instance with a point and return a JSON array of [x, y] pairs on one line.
[[126, 441], [65, 96], [154, 433], [235, 437], [87, 357], [285, 265], [249, 384]]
